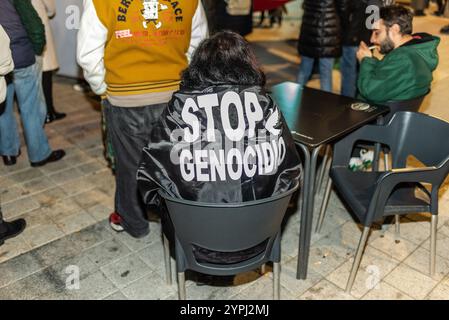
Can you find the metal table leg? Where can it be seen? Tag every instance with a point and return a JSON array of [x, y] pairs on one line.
[[308, 192]]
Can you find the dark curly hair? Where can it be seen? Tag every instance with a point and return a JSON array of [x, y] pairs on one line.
[[399, 15], [225, 58]]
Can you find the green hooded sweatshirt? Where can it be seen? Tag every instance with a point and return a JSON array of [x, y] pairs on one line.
[[32, 23], [404, 73]]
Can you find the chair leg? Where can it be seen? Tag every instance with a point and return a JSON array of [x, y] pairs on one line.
[[323, 169], [357, 259], [397, 225], [173, 269], [167, 259], [276, 280], [386, 161], [327, 168], [385, 225], [324, 205], [433, 243], [383, 228], [263, 268], [319, 170], [377, 148], [181, 286]]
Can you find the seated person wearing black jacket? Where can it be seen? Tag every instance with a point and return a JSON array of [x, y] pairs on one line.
[[221, 139]]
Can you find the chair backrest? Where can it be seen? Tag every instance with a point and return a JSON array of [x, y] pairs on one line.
[[404, 105], [420, 135], [227, 228]]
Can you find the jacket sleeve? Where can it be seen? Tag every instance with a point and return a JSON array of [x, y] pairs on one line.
[[200, 30], [32, 23], [92, 38], [147, 186], [6, 62], [292, 173], [152, 169], [381, 80]]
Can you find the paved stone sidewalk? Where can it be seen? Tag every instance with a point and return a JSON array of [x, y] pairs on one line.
[[66, 196], [66, 205], [116, 266]]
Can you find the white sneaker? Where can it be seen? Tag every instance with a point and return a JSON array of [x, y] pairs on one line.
[[80, 87], [115, 221]]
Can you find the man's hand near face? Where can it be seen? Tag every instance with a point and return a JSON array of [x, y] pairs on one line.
[[363, 52]]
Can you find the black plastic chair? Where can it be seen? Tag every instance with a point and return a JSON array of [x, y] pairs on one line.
[[375, 195], [223, 229], [412, 105]]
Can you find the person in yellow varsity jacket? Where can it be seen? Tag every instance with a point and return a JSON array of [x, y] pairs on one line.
[[132, 53]]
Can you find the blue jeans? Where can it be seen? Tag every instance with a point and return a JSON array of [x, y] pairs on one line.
[[306, 68], [31, 101], [349, 71]]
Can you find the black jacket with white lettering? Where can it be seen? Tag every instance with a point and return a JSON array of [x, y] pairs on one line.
[[161, 168]]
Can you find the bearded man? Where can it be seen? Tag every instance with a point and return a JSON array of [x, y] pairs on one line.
[[405, 72]]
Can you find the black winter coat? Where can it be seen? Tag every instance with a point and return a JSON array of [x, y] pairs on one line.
[[320, 35], [354, 21]]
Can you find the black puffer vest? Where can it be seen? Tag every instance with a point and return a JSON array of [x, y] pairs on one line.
[[320, 35]]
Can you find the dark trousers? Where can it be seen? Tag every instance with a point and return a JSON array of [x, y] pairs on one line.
[[419, 5], [128, 130], [441, 6], [47, 86]]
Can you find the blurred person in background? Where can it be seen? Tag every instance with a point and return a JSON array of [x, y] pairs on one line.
[[441, 7], [46, 9], [354, 17], [319, 40], [26, 31], [445, 29], [234, 15], [419, 6], [210, 8]]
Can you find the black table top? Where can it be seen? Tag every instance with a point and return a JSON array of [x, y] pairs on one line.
[[316, 117]]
